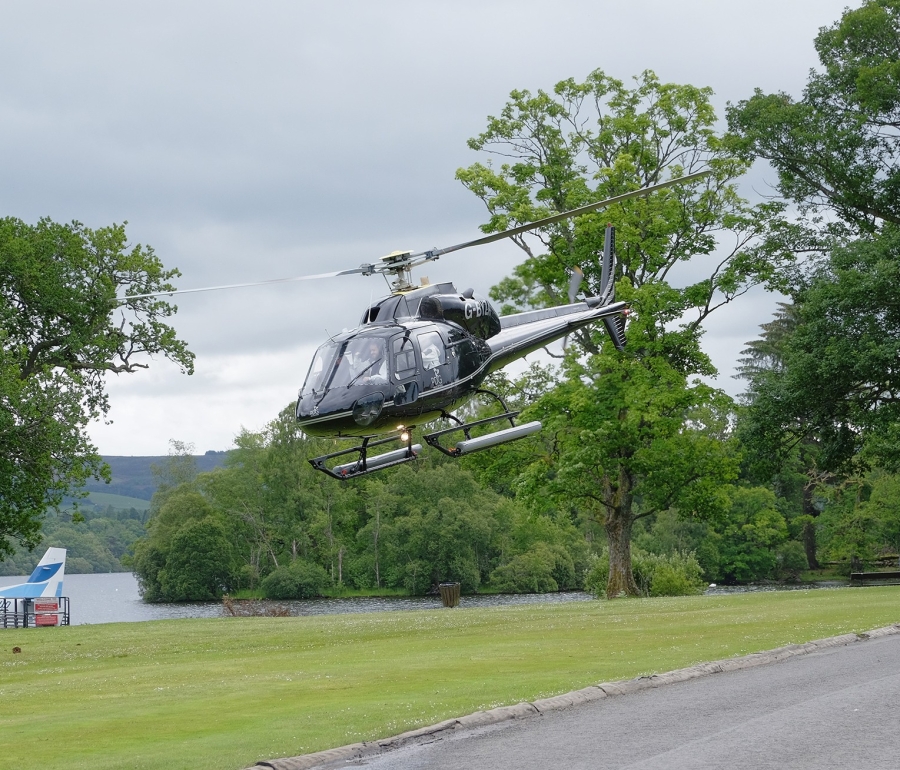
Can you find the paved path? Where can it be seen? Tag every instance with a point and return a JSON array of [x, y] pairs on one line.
[[838, 708]]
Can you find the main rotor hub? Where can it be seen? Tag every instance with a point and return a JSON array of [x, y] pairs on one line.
[[399, 264]]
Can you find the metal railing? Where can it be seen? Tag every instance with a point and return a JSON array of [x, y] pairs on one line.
[[34, 613]]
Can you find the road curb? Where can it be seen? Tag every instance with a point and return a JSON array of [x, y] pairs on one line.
[[357, 751]]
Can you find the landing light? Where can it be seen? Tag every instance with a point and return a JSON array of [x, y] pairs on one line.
[[404, 436]]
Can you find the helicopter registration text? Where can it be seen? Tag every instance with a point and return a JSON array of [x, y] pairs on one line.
[[475, 308]]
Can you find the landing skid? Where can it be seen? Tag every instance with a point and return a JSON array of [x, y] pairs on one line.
[[365, 464], [469, 444]]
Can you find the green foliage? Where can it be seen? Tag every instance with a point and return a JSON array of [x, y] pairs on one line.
[[197, 562], [300, 579], [675, 574], [148, 561], [791, 560], [838, 380], [541, 569], [753, 540], [592, 140], [438, 516], [836, 148], [754, 529], [189, 551], [861, 519], [408, 528], [838, 159], [629, 433], [99, 542], [61, 331]]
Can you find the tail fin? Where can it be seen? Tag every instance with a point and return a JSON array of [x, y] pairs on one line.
[[615, 325], [46, 580]]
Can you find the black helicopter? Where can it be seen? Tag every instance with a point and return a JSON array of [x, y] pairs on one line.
[[421, 351]]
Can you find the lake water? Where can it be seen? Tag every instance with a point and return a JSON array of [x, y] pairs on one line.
[[114, 598]]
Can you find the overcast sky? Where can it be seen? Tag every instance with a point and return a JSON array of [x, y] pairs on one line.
[[247, 141]]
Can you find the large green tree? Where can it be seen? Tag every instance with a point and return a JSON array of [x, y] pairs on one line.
[[837, 153], [63, 328], [792, 466], [683, 253], [838, 381]]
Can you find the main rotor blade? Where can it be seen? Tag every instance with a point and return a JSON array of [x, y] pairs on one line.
[[565, 215], [367, 269], [361, 269]]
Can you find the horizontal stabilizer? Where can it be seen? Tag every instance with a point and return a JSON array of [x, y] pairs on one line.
[[615, 325]]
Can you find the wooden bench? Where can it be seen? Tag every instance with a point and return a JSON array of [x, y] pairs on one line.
[[874, 578]]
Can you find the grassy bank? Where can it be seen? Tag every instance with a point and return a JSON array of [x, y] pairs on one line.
[[223, 693]]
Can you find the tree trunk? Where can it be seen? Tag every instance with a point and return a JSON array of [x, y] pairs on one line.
[[809, 529], [809, 544], [375, 534], [618, 523]]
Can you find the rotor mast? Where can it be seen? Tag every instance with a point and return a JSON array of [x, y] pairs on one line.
[[399, 264]]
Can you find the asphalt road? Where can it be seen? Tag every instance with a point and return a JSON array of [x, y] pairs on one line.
[[838, 708]]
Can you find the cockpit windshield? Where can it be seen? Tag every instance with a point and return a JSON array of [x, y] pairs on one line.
[[319, 369], [358, 361]]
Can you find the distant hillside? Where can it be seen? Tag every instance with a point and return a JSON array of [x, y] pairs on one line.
[[133, 476]]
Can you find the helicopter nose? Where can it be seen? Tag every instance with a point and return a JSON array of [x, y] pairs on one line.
[[367, 409]]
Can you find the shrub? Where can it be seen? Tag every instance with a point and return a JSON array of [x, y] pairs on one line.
[[299, 580], [672, 581], [529, 572], [677, 574], [541, 569], [792, 560], [596, 576]]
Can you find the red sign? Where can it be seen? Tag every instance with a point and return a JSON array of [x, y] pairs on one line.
[[46, 605], [46, 620]]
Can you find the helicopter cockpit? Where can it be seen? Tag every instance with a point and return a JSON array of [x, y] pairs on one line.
[[357, 361], [349, 378], [355, 377]]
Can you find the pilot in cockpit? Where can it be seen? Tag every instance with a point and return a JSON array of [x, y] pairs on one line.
[[372, 366]]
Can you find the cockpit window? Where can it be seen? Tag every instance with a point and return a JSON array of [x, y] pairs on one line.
[[320, 368], [432, 349], [360, 361], [404, 357]]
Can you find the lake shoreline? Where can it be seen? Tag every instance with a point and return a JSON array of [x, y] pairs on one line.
[[113, 597]]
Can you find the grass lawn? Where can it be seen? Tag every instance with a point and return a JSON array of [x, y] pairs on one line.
[[224, 693]]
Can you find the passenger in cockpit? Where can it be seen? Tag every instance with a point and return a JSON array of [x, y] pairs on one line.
[[372, 366]]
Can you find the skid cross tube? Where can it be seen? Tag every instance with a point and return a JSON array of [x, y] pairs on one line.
[[361, 467]]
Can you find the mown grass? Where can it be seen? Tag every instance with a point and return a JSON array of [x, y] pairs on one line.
[[224, 693]]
